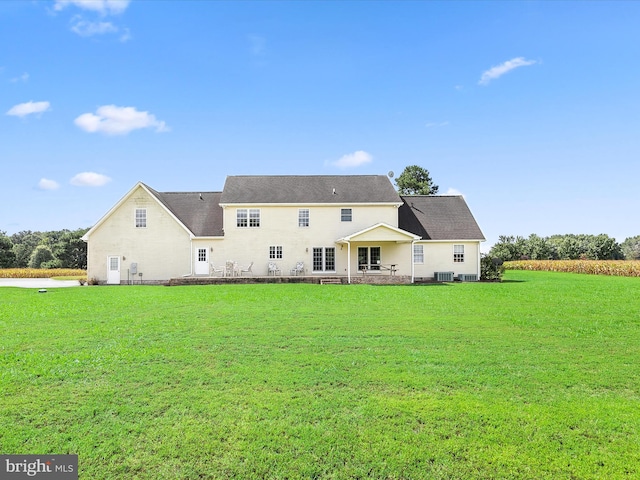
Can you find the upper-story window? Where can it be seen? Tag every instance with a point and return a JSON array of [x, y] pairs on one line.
[[303, 217], [248, 217], [141, 218], [458, 253], [345, 214]]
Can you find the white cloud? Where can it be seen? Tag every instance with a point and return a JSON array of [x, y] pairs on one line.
[[24, 109], [499, 70], [46, 184], [437, 124], [104, 7], [89, 179], [113, 120], [22, 78], [88, 29], [354, 159], [453, 191]]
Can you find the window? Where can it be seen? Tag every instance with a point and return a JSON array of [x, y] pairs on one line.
[[345, 214], [247, 217], [418, 254], [368, 258], [202, 254], [275, 252], [458, 253], [254, 217], [324, 259], [303, 217], [141, 218]]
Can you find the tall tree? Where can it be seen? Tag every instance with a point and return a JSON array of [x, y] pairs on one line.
[[7, 257], [415, 180], [631, 248]]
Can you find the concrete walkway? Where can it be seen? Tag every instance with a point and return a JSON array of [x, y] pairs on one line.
[[37, 283]]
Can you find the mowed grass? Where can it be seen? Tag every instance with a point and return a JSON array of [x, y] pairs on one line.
[[537, 377]]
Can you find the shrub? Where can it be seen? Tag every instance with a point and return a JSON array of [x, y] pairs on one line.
[[491, 269]]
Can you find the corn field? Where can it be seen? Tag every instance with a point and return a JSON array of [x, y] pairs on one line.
[[41, 272], [621, 268]]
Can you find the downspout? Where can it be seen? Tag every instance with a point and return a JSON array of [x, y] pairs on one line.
[[191, 259], [479, 264], [413, 242], [348, 262]]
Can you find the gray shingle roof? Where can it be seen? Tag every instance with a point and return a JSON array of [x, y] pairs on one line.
[[309, 189], [438, 217], [200, 212]]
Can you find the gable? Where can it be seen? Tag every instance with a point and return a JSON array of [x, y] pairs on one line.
[[380, 233]]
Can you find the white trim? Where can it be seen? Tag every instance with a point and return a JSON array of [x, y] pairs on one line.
[[305, 204], [349, 238]]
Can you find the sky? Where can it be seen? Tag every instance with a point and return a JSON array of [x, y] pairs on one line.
[[531, 110]]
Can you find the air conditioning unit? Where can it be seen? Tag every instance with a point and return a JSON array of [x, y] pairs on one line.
[[443, 276], [468, 277]]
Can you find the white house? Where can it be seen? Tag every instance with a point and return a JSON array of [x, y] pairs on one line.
[[351, 226]]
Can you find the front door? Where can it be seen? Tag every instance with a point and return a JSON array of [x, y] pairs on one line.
[[113, 270], [202, 261]]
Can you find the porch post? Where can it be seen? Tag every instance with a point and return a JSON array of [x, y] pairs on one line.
[[348, 262]]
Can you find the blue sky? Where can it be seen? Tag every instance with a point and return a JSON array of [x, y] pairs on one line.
[[531, 110]]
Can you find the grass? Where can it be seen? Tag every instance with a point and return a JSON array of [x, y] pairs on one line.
[[533, 378]]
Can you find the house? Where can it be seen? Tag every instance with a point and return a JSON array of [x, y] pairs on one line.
[[351, 226]]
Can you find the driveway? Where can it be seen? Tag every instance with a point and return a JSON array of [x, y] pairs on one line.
[[37, 283]]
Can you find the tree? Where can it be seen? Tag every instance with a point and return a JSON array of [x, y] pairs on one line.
[[42, 254], [24, 243], [631, 248], [415, 180], [7, 257]]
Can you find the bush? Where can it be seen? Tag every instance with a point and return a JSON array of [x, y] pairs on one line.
[[491, 269]]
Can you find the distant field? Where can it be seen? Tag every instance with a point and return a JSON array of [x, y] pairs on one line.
[[623, 268], [536, 377], [42, 273]]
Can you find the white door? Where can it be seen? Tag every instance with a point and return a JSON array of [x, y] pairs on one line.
[[202, 261], [113, 270]]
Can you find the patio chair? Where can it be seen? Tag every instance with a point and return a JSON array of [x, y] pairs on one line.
[[247, 270], [214, 270], [299, 269], [273, 269]]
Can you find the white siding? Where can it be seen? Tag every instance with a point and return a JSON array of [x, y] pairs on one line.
[[279, 227], [162, 250], [438, 257]]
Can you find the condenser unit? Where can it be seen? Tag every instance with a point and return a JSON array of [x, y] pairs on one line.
[[468, 277], [443, 276]]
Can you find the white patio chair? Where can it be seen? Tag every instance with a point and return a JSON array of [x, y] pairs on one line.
[[299, 269], [273, 269], [214, 270], [247, 270]]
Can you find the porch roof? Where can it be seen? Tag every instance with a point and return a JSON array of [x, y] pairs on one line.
[[380, 232]]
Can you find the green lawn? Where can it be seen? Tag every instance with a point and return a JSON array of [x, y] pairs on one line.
[[537, 377]]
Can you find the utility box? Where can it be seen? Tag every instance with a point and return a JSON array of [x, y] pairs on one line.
[[133, 268]]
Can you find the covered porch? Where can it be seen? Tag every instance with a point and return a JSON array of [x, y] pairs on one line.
[[379, 250]]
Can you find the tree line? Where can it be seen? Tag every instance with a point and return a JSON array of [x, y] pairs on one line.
[[565, 247], [55, 249]]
